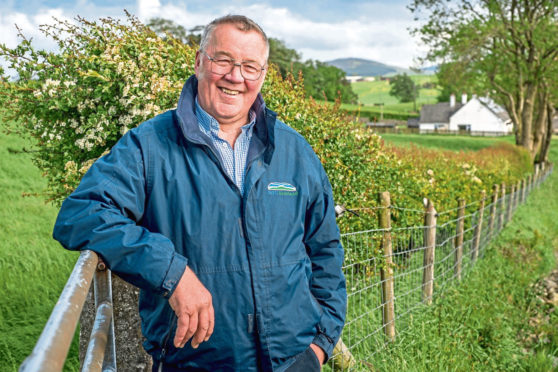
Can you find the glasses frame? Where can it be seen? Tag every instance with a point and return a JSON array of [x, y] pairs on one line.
[[234, 64]]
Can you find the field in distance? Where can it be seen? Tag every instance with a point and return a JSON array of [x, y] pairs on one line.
[[372, 93]]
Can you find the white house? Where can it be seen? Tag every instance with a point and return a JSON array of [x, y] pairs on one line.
[[475, 116], [353, 78]]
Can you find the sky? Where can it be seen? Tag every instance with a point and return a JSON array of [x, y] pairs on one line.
[[318, 29]]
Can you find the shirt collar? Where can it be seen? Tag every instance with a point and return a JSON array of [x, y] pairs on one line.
[[210, 125]]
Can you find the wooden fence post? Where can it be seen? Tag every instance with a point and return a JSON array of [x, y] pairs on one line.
[[493, 209], [386, 273], [429, 252], [517, 194], [524, 191], [478, 228], [459, 238], [502, 206], [342, 358], [510, 204]]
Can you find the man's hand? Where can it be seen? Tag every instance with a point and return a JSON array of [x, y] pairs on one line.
[[193, 306], [319, 353]]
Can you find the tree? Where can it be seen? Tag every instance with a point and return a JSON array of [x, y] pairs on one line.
[[282, 56], [503, 48], [323, 81], [453, 80], [163, 27], [404, 88]]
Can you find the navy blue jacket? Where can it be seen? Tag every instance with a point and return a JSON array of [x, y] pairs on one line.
[[271, 258]]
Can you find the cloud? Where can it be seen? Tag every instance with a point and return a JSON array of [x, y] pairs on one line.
[[384, 39], [373, 30]]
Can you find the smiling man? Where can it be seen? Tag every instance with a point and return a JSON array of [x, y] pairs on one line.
[[224, 218]]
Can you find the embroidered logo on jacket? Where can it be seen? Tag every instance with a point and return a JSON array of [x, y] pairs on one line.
[[282, 188]]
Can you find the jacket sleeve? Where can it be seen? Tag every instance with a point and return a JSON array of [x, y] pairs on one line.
[[103, 215], [328, 285]]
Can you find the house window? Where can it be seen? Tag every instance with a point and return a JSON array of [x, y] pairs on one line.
[[464, 127]]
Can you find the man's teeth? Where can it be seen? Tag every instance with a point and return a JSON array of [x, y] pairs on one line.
[[228, 91]]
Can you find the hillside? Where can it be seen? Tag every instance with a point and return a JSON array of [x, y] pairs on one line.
[[365, 67]]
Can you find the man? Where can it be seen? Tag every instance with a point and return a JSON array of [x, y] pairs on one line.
[[223, 216]]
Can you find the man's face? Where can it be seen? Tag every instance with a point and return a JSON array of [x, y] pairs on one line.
[[228, 97]]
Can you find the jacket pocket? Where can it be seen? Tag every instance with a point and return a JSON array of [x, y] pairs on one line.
[[294, 313]]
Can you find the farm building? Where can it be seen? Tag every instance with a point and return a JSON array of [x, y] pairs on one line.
[[478, 115]]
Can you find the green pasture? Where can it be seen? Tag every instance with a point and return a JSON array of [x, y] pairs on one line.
[[33, 267], [474, 326], [445, 142], [371, 93]]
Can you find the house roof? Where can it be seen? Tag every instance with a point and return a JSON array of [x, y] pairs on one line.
[[438, 112], [441, 112], [496, 109]]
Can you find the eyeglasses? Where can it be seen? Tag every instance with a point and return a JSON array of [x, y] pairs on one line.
[[250, 70]]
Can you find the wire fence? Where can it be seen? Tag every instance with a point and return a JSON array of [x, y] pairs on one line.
[[398, 271]]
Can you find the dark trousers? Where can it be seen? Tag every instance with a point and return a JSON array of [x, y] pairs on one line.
[[307, 361]]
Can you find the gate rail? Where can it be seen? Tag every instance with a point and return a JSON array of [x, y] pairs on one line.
[[52, 347]]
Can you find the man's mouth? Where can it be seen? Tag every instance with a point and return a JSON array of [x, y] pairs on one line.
[[230, 92]]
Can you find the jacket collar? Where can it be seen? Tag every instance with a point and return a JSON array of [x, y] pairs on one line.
[[263, 137]]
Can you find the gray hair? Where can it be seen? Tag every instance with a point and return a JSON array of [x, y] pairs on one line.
[[243, 23]]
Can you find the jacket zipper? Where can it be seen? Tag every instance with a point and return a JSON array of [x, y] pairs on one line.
[[166, 341]]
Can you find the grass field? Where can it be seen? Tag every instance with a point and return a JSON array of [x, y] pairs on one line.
[[493, 321], [446, 142], [377, 92], [477, 326], [33, 267]]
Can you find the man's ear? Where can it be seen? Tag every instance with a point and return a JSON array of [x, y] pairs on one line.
[[197, 63]]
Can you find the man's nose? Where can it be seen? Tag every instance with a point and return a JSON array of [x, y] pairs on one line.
[[235, 74]]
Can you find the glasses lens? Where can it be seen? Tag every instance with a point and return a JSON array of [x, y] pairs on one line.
[[251, 70], [221, 66]]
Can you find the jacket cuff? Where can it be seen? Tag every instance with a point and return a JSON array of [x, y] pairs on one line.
[[174, 273], [325, 343]]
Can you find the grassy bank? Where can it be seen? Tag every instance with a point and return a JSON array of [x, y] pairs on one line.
[[34, 268], [493, 320]]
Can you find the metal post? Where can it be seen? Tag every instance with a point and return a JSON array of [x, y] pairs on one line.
[[430, 217], [478, 228], [459, 238], [98, 341], [386, 273], [103, 294]]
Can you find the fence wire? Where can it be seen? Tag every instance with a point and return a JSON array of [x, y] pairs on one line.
[[366, 331]]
